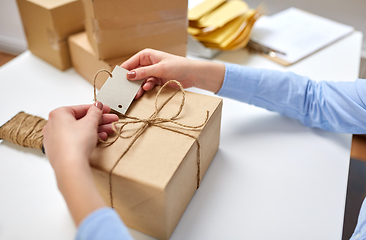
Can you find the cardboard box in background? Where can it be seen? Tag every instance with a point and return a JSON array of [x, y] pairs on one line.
[[85, 61], [122, 27], [156, 179], [47, 25], [87, 64]]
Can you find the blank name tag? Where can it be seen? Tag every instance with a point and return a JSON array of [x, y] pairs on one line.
[[118, 92]]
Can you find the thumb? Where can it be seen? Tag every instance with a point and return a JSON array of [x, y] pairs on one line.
[[145, 72], [94, 114]]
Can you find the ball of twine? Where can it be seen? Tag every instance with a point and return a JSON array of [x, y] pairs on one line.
[[24, 130]]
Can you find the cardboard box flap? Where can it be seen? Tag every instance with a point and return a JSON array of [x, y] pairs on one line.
[[152, 160]]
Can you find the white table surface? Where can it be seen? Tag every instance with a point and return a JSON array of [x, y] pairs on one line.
[[272, 178]]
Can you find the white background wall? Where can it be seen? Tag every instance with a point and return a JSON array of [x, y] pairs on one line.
[[351, 12], [12, 38]]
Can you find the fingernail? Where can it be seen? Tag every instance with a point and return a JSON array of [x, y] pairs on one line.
[[98, 105], [131, 75]]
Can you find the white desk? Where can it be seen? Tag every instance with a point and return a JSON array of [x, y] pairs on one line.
[[272, 178]]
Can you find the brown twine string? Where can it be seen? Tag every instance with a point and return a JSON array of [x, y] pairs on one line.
[[24, 130], [156, 121], [95, 80]]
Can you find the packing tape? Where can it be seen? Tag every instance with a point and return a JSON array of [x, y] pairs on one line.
[[54, 40]]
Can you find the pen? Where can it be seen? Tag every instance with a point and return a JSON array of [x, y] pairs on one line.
[[258, 48]]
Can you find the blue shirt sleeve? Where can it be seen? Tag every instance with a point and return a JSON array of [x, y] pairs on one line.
[[332, 106], [103, 224], [360, 230]]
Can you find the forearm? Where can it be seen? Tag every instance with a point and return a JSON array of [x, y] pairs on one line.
[[207, 75], [332, 106], [77, 186]]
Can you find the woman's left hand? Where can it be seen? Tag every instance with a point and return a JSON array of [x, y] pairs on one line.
[[71, 133], [70, 136]]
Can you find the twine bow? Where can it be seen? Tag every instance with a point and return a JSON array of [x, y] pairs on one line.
[[155, 121]]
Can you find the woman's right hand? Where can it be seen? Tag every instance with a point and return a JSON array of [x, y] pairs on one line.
[[157, 67]]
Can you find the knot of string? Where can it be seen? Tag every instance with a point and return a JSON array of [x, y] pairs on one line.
[[155, 121]]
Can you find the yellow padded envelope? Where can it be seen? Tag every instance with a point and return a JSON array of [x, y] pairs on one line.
[[242, 39], [222, 15], [227, 34], [204, 8]]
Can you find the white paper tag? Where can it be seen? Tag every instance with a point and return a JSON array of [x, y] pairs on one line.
[[118, 92]]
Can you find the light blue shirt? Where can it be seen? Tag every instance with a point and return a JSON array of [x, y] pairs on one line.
[[332, 106], [103, 224]]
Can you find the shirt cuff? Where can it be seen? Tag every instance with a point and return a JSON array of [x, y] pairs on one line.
[[240, 82], [103, 223]]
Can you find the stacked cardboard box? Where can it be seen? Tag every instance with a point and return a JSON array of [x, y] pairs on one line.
[[47, 25], [118, 29], [86, 62], [122, 27]]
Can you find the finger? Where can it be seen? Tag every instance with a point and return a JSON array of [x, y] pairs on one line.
[[132, 63], [145, 72], [79, 111], [94, 115], [108, 128], [103, 136], [106, 108], [139, 93], [142, 58], [109, 118], [151, 82]]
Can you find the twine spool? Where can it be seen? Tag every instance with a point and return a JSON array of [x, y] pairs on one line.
[[24, 130]]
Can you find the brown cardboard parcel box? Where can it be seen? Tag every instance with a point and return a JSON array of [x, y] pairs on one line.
[[47, 24], [122, 27], [86, 62], [155, 180]]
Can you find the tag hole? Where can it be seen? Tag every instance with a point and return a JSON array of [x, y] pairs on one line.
[[120, 106]]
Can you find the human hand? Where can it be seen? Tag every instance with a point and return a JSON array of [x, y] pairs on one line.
[[157, 68], [71, 133]]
